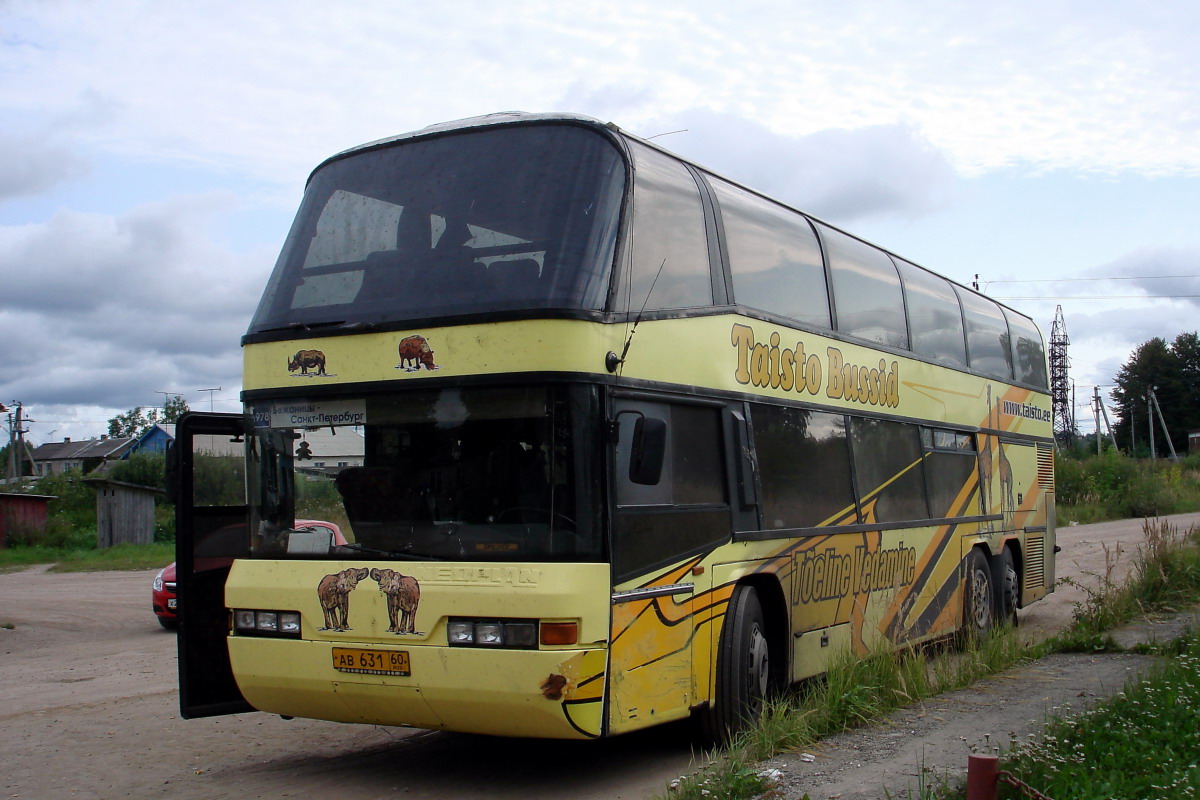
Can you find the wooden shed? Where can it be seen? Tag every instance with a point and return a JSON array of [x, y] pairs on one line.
[[22, 512], [124, 512]]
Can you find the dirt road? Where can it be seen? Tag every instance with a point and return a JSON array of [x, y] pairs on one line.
[[88, 709]]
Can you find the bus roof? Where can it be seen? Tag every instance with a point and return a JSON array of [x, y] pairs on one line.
[[504, 118]]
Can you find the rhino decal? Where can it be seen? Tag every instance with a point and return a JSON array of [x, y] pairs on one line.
[[415, 353], [306, 360]]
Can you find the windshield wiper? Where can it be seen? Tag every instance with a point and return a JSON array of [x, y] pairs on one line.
[[305, 326], [390, 553]]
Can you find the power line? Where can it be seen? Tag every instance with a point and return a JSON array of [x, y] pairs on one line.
[[1120, 278], [1105, 297]]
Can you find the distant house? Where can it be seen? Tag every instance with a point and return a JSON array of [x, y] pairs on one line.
[[331, 453], [54, 458], [154, 440], [21, 514], [124, 512]]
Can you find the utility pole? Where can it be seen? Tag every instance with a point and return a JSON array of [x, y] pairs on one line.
[[1132, 429], [12, 438], [16, 441], [1096, 414], [210, 395], [1163, 422], [1150, 421], [1108, 425]]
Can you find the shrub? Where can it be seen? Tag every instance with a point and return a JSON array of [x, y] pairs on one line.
[[144, 469], [1070, 481], [58, 534], [75, 503]]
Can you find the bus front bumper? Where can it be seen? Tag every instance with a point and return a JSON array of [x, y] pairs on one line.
[[537, 693]]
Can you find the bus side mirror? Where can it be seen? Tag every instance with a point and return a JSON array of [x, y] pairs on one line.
[[648, 451]]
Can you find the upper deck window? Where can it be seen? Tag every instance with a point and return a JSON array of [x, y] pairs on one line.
[[987, 336], [773, 256], [670, 247], [934, 316], [509, 218], [866, 290], [1028, 352]]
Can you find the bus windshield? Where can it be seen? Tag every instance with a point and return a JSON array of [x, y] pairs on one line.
[[455, 474], [511, 218]]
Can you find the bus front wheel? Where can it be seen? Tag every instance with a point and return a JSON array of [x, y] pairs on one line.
[[743, 669]]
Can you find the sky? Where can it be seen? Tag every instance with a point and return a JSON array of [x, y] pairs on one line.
[[153, 153]]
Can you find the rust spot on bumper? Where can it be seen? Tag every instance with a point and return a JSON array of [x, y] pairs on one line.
[[552, 687]]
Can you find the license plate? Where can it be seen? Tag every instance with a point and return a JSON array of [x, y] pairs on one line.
[[172, 603], [371, 662]]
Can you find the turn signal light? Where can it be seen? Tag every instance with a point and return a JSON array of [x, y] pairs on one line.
[[560, 632]]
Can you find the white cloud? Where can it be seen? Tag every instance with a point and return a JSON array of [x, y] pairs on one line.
[[1156, 272], [839, 175], [850, 111], [244, 87], [109, 310], [40, 166]]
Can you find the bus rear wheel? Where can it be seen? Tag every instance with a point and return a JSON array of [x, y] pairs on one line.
[[743, 669], [1009, 588], [978, 606]]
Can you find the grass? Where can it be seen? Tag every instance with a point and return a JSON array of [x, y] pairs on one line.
[[1166, 576], [1142, 743], [67, 559], [853, 692], [1112, 486]]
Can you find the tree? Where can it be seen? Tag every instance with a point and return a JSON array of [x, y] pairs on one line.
[[137, 420], [1173, 371]]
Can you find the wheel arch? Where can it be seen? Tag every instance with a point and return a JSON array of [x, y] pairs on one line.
[[1019, 564], [776, 619]]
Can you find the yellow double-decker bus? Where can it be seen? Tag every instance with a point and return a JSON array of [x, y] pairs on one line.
[[602, 440]]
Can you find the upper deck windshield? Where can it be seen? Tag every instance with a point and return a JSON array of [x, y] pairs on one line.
[[456, 474], [498, 219]]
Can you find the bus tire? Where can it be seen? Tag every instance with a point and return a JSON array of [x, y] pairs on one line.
[[743, 669], [1010, 588], [978, 606]]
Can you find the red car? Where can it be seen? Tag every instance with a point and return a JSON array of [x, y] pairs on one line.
[[165, 601]]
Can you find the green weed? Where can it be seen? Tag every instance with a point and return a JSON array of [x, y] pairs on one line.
[[856, 690], [1166, 574], [1143, 742], [66, 559], [1112, 486]]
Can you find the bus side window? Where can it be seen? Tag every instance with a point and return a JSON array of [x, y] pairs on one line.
[[934, 315], [688, 508], [804, 467], [670, 266], [774, 257], [888, 470], [867, 299]]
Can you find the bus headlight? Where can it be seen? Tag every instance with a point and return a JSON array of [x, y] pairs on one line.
[[255, 622], [517, 634], [489, 634], [460, 632]]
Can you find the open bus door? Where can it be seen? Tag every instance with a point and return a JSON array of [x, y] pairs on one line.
[[207, 481]]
